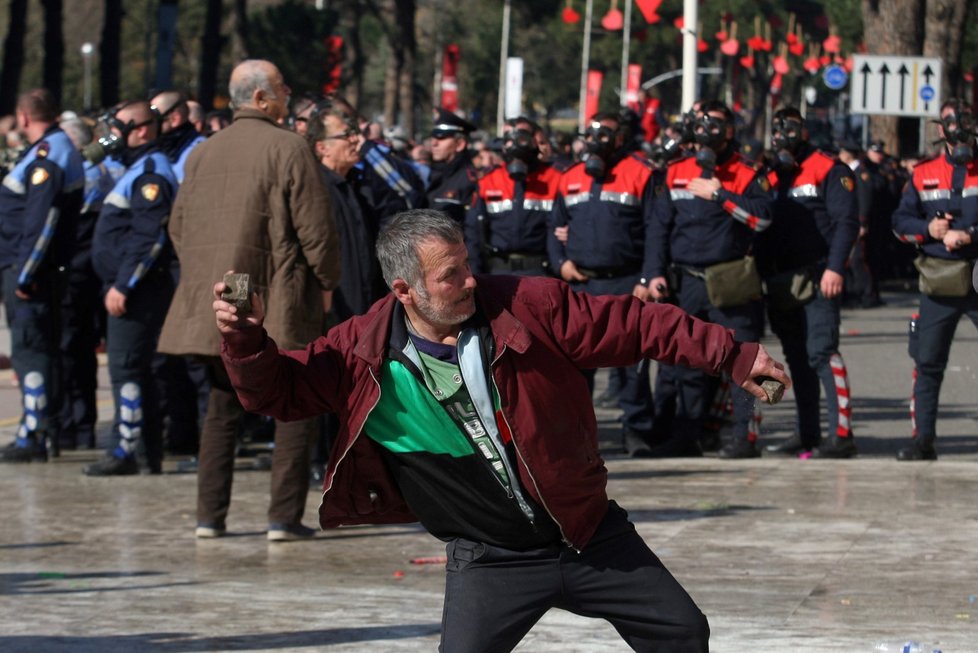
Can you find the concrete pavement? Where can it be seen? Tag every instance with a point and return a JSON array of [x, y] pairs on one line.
[[781, 555]]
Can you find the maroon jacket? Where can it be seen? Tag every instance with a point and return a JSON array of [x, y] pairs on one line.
[[543, 335]]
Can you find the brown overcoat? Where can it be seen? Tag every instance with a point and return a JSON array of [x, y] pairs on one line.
[[252, 200]]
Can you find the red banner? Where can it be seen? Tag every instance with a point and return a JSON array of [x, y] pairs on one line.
[[632, 90], [334, 64], [449, 78], [594, 79]]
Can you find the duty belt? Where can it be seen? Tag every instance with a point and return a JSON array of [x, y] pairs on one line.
[[608, 273], [518, 261]]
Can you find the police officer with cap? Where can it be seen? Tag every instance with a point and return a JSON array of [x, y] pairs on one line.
[[506, 230], [939, 213], [39, 205], [454, 179], [132, 253]]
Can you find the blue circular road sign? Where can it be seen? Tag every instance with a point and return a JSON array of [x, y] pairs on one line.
[[835, 77], [927, 93]]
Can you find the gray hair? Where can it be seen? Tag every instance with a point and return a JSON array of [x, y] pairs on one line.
[[76, 130], [397, 245], [249, 76]]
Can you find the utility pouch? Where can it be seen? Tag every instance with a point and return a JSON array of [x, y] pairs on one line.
[[790, 289], [733, 283], [942, 277]]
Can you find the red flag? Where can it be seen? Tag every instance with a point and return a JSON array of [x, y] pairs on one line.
[[594, 79], [334, 63], [449, 78]]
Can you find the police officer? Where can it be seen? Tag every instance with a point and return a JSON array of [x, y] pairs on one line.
[[39, 204], [606, 204], [713, 205], [178, 136], [82, 315], [939, 213], [182, 384], [454, 179], [132, 255], [506, 229], [815, 225], [862, 285]]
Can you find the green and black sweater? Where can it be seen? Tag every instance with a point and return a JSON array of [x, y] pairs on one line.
[[436, 423]]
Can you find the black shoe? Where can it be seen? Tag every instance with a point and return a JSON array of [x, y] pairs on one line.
[[635, 443], [31, 453], [793, 446], [836, 447], [918, 450], [739, 449], [112, 466]]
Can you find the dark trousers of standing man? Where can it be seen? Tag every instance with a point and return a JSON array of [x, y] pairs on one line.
[[35, 333], [82, 312], [218, 440], [494, 596], [939, 317], [695, 389], [130, 344], [809, 336]]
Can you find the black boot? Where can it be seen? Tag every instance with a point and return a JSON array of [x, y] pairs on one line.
[[918, 450], [836, 447], [739, 449], [793, 446], [636, 443]]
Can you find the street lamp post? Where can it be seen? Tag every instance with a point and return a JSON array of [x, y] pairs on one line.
[[87, 50]]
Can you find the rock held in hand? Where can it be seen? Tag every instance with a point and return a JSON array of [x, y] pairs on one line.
[[237, 291]]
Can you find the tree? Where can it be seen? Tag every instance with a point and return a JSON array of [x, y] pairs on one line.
[[13, 57], [210, 53], [110, 51], [54, 47]]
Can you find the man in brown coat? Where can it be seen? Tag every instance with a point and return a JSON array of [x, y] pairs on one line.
[[252, 201]]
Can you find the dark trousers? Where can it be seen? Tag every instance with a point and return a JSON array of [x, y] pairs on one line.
[[635, 394], [218, 440], [494, 596], [939, 317], [35, 338], [83, 315], [809, 335], [131, 344], [694, 389]]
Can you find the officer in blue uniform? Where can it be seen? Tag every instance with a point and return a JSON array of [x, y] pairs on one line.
[[606, 204], [713, 204], [816, 222], [454, 179], [182, 383], [39, 204], [82, 316], [506, 230], [939, 214], [132, 254]]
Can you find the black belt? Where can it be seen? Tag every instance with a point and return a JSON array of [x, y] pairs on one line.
[[608, 273], [518, 261]]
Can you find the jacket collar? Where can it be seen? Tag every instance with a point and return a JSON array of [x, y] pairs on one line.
[[246, 113], [490, 294]]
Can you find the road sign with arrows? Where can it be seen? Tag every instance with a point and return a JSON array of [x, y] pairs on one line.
[[896, 86]]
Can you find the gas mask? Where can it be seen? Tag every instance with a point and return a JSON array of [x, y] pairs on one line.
[[711, 132], [602, 142], [959, 134], [786, 140], [520, 151], [111, 144]]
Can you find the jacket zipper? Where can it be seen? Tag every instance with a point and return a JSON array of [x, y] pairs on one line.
[[357, 436], [516, 448]]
